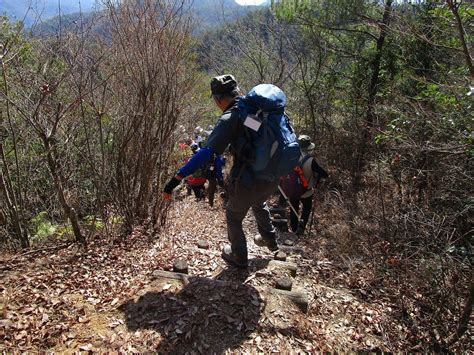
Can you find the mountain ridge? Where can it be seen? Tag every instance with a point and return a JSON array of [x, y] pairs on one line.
[[209, 11]]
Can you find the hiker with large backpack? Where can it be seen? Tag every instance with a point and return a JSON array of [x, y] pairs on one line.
[[264, 147], [298, 185]]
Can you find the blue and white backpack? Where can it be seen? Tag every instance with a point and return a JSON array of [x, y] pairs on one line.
[[269, 146]]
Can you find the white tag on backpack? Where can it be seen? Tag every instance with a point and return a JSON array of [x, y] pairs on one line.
[[252, 123]]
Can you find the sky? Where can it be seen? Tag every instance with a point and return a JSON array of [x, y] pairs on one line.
[[250, 2]]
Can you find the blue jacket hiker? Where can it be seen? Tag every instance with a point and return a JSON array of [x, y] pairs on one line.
[[248, 187]]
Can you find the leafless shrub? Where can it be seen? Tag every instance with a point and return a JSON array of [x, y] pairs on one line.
[[151, 76]]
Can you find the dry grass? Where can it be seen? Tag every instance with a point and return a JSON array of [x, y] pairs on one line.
[[405, 253]]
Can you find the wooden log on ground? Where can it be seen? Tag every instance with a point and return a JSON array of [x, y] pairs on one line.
[[297, 297], [161, 274]]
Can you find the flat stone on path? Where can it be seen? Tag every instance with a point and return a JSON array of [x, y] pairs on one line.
[[284, 283], [280, 256], [298, 298], [180, 266], [203, 244], [288, 242]]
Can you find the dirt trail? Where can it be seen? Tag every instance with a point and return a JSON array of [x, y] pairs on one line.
[[106, 297]]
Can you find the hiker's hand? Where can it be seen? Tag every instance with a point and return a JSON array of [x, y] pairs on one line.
[[171, 185], [323, 174]]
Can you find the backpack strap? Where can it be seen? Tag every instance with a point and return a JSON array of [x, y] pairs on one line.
[[300, 171], [305, 159]]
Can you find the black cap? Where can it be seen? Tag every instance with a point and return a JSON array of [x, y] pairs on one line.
[[223, 84]]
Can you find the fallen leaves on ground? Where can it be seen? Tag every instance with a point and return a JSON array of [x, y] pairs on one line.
[[103, 297]]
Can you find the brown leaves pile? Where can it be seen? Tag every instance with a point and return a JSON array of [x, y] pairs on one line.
[[103, 297]]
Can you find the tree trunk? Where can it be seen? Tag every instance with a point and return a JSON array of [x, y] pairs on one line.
[[13, 210], [467, 56], [367, 129], [6, 186], [69, 211]]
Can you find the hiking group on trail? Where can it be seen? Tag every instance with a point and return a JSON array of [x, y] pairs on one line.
[[265, 151], [210, 173]]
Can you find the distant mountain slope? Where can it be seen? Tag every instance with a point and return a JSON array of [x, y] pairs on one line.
[[209, 13], [42, 10], [215, 13]]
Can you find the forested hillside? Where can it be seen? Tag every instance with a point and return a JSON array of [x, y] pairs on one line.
[[42, 17], [91, 124], [31, 13]]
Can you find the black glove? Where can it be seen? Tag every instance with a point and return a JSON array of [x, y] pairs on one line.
[[318, 170], [171, 185], [323, 173]]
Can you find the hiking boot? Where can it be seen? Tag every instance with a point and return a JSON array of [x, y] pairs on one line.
[[271, 244], [229, 256], [299, 232]]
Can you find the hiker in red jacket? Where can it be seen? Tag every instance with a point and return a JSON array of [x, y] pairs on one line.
[[298, 186], [196, 181]]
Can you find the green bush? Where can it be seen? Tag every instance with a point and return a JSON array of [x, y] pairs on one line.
[[41, 227]]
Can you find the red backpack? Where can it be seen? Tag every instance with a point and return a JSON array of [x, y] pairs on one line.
[[294, 184]]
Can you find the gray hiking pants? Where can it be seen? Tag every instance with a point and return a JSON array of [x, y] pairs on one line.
[[241, 200]]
